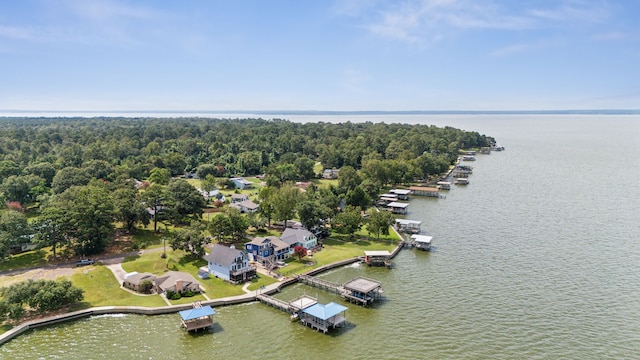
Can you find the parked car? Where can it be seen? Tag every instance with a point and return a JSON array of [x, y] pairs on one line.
[[84, 262]]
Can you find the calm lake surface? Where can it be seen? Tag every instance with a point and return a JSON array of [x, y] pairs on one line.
[[537, 258]]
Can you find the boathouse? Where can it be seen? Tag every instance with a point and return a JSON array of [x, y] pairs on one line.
[[197, 318], [425, 191], [444, 185], [397, 207], [422, 242], [377, 258], [462, 181], [408, 226], [403, 194], [362, 290], [323, 317]]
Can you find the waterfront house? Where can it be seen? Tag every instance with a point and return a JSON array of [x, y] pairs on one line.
[[134, 281], [176, 281], [267, 250], [302, 237], [230, 264], [241, 183], [246, 206]]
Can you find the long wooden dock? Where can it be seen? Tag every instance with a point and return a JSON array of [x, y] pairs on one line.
[[320, 283], [276, 303], [346, 293]]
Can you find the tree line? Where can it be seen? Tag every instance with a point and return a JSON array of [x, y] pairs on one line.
[[81, 175]]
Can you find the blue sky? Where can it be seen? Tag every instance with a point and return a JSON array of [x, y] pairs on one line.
[[115, 55]]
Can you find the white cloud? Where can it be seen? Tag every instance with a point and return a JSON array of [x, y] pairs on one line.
[[424, 20]]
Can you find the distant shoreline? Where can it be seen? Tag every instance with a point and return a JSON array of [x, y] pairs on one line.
[[244, 113]]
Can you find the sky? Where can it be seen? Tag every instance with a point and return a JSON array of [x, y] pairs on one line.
[[323, 55]]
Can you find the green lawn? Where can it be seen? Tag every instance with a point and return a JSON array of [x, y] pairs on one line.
[[26, 259], [102, 289], [338, 248]]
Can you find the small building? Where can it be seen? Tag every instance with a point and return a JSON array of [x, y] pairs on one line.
[[397, 207], [236, 198], [241, 183], [377, 258], [425, 191], [302, 237], [246, 206], [403, 194], [230, 264], [408, 226], [330, 173], [362, 290], [444, 185], [323, 317], [462, 181], [422, 242], [200, 317]]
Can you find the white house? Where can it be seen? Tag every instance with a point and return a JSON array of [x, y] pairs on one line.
[[246, 206], [230, 264], [241, 183], [294, 237]]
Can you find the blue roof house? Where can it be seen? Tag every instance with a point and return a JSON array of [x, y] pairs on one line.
[[323, 317]]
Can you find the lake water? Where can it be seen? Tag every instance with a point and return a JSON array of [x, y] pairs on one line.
[[537, 258]]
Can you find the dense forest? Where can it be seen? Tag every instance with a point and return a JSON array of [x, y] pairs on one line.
[[51, 163]]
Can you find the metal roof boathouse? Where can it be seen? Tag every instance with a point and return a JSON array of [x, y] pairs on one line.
[[197, 318], [323, 317]]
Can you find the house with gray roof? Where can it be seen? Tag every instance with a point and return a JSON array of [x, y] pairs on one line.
[[176, 281], [246, 206], [230, 264], [303, 237], [268, 250]]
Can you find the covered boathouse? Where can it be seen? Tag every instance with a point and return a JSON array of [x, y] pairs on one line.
[[362, 290], [408, 226], [422, 242], [425, 191], [323, 317], [377, 258], [197, 318], [397, 207], [403, 194]]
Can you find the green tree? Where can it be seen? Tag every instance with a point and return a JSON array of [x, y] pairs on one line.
[[267, 202], [186, 203], [357, 197], [160, 176], [348, 221], [13, 228], [68, 177], [239, 224], [378, 222], [52, 226], [90, 216], [129, 208], [348, 179], [208, 183], [191, 240], [285, 201], [156, 199]]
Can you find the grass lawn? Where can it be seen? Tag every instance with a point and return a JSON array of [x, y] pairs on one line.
[[26, 259], [260, 281], [102, 289], [152, 263], [338, 248]]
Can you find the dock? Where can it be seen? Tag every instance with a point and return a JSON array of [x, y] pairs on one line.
[[197, 318], [408, 226], [425, 191], [291, 307], [361, 291]]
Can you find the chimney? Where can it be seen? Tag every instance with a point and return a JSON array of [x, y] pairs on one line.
[[179, 286]]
